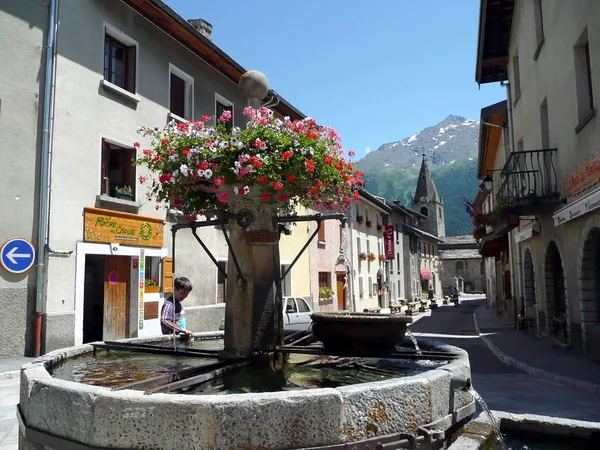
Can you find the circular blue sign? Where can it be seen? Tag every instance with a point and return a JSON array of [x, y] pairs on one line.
[[17, 255]]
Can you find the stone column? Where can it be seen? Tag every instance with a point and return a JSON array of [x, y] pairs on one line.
[[253, 310]]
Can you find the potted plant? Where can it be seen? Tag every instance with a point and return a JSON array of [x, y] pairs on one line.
[[151, 286], [124, 192], [371, 257], [325, 294], [482, 219], [479, 232], [360, 219], [380, 228], [369, 223], [362, 256], [381, 258]]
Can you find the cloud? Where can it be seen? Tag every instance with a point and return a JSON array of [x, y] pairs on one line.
[[367, 150]]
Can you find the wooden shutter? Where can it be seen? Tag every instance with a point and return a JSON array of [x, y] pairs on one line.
[[321, 235], [167, 275], [130, 62]]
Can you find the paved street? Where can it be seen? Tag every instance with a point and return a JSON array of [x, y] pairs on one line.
[[9, 397], [503, 387]]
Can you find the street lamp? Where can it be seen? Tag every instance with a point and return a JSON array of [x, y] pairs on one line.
[[488, 183]]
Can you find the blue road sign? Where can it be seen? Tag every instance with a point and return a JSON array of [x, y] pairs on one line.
[[17, 255]]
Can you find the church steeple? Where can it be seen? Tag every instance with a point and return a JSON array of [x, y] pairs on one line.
[[425, 186], [429, 203]]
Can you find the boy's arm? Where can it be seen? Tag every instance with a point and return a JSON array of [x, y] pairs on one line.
[[167, 318]]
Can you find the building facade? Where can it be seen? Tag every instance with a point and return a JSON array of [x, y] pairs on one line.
[[553, 159], [101, 244], [462, 265]]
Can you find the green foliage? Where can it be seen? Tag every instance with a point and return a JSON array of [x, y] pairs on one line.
[[451, 180]]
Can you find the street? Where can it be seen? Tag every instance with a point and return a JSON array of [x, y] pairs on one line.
[[504, 388]]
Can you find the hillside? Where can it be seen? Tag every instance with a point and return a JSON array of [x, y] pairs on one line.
[[450, 148]]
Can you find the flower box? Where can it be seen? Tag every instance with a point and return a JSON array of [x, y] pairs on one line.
[[369, 223], [152, 289]]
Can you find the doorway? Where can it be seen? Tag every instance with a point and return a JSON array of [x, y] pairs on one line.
[[106, 299], [341, 291]]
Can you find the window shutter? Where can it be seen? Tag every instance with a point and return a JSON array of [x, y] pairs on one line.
[[321, 234], [130, 61], [167, 275]]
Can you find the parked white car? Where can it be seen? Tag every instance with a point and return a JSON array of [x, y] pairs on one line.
[[296, 314]]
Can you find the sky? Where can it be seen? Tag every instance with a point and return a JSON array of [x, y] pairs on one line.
[[377, 71]]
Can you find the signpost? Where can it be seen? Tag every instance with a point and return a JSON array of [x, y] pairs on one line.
[[17, 255]]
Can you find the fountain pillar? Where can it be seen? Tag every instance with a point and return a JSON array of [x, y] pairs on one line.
[[253, 310]]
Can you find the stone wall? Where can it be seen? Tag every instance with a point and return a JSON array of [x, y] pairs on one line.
[[474, 279]]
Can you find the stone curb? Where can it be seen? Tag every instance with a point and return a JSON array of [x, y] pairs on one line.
[[531, 370], [9, 375]]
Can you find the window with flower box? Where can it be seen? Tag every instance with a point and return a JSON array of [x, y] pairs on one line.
[[324, 279], [221, 283], [222, 105], [119, 59], [152, 269], [181, 94], [117, 171]]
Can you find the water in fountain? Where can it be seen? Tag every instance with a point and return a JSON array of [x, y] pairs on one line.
[[494, 422], [412, 336]]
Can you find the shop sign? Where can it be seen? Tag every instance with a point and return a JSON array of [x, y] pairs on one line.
[[142, 283], [128, 229], [524, 235], [388, 241], [582, 178], [582, 206]]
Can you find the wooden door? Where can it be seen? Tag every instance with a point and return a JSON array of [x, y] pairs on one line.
[[116, 297], [341, 292]]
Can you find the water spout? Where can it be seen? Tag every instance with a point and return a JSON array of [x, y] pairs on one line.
[[414, 340], [495, 426], [460, 382]]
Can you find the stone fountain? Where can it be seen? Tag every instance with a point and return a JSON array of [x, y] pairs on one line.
[[414, 409]]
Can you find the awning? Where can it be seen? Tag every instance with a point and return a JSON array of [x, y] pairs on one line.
[[492, 245], [425, 275]]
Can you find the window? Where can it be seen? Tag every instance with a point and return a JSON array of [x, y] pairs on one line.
[[358, 246], [181, 94], [361, 292], [544, 124], [370, 286], [222, 105], [482, 267], [302, 306], [391, 266], [539, 26], [221, 286], [400, 290], [583, 80], [366, 213], [459, 268], [397, 234], [341, 234], [117, 171], [152, 270], [321, 234], [398, 261], [324, 279], [368, 246], [291, 306], [516, 79], [424, 211], [119, 59]]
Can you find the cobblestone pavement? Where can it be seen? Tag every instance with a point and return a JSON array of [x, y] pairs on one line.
[[9, 428], [503, 387]]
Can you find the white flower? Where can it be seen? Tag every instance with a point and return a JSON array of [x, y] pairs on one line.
[[184, 170], [245, 190], [200, 173], [173, 157], [233, 141], [240, 145], [263, 147], [175, 173], [236, 190], [208, 173], [223, 144]]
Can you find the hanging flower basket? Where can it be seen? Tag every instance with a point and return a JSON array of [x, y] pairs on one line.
[[362, 256], [369, 223], [482, 219], [198, 168], [360, 219], [371, 257], [380, 228], [479, 232], [381, 258]]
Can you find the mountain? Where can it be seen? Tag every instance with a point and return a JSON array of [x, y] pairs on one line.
[[450, 148]]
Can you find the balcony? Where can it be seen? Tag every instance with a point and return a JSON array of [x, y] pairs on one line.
[[529, 182]]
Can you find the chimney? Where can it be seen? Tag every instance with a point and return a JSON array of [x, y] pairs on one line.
[[397, 203], [202, 26]]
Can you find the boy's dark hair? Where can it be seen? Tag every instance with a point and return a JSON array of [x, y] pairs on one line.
[[183, 283]]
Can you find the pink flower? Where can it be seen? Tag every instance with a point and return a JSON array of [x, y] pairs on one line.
[[258, 143], [205, 118], [222, 197], [262, 179], [287, 155], [225, 117], [136, 144], [142, 180], [291, 178], [277, 185], [351, 153], [219, 181], [265, 196]]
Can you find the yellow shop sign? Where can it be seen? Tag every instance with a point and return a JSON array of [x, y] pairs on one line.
[[105, 226]]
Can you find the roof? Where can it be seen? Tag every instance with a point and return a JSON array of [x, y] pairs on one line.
[[420, 232], [460, 254], [182, 31], [425, 184], [495, 21], [376, 201], [463, 239]]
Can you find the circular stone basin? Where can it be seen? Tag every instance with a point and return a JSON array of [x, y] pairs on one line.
[[352, 331]]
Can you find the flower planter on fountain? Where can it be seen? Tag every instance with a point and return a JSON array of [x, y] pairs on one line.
[[359, 331]]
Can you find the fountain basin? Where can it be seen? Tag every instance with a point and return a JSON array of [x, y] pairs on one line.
[[350, 331], [54, 411]]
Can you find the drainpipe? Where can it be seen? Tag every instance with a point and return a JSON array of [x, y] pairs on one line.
[[350, 224], [45, 176], [511, 133]]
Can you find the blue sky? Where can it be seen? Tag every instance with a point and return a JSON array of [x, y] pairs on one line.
[[377, 71]]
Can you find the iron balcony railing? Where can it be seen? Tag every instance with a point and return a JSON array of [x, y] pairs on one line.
[[529, 181]]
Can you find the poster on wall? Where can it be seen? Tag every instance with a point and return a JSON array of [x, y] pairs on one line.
[[142, 285], [388, 242]]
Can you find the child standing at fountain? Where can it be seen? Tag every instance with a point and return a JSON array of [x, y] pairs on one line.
[[172, 308]]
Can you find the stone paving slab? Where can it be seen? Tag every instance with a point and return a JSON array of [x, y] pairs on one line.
[[9, 428], [534, 355], [10, 367]]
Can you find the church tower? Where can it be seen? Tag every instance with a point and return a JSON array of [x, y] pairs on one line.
[[428, 202]]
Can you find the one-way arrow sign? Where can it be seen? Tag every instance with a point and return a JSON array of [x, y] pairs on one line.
[[17, 255]]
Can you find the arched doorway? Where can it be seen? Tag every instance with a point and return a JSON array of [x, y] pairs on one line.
[[590, 290], [529, 284], [556, 298]]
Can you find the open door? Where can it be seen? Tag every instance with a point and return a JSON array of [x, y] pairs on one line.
[[116, 297]]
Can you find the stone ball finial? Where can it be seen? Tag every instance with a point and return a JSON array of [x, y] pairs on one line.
[[254, 84]]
